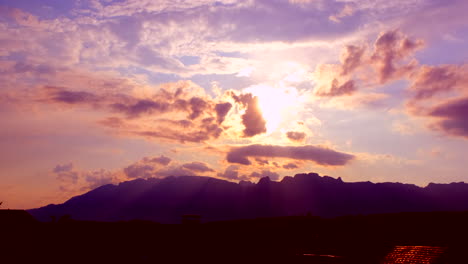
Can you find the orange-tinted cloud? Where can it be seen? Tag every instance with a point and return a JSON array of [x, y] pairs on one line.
[[390, 49]]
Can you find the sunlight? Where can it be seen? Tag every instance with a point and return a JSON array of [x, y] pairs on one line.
[[276, 103]]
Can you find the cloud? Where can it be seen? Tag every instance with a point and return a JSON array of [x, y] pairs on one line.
[[197, 167], [429, 81], [139, 171], [146, 167], [290, 166], [175, 171], [390, 49], [66, 173], [319, 155], [252, 119], [163, 160], [439, 93], [296, 136], [171, 97], [452, 117], [63, 168], [262, 162], [231, 173], [206, 130], [203, 115], [337, 89], [61, 95], [98, 178], [73, 180], [390, 59], [140, 106], [351, 59], [222, 110], [264, 173]]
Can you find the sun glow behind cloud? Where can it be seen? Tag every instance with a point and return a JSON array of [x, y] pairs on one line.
[[278, 104]]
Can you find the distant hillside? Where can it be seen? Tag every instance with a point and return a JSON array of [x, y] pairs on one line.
[[166, 200]]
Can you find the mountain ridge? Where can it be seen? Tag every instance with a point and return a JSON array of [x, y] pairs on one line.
[[166, 200]]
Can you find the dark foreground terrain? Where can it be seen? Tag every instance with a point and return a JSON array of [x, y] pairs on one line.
[[295, 239]]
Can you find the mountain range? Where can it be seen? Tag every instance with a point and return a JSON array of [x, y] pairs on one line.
[[166, 200]]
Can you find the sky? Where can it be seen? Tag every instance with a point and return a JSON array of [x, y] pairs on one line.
[[101, 91]]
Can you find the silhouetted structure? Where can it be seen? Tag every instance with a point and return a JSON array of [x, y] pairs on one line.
[[414, 255]]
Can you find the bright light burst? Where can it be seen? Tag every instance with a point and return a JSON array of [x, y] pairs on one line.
[[277, 103]]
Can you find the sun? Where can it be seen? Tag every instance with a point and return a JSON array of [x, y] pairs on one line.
[[277, 104]]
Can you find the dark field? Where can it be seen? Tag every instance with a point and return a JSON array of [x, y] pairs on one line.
[[300, 239]]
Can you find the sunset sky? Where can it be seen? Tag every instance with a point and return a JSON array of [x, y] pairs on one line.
[[101, 91]]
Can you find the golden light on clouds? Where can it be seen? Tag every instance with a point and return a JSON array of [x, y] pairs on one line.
[[277, 103]]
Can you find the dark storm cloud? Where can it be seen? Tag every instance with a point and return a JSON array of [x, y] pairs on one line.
[[319, 155]]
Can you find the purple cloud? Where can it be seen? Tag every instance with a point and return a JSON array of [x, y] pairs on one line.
[[139, 171], [60, 95], [389, 50], [143, 106], [453, 117], [296, 136], [319, 155], [290, 166], [432, 80], [197, 166], [221, 111], [351, 59], [163, 160], [63, 168], [337, 89], [264, 173], [252, 119], [231, 173]]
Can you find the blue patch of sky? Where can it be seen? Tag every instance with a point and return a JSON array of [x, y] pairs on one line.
[[225, 81], [450, 48], [233, 54], [189, 60], [370, 130], [45, 9]]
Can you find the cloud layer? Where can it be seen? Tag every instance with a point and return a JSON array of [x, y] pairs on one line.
[[318, 155]]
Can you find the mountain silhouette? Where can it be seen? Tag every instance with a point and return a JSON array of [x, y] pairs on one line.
[[167, 200]]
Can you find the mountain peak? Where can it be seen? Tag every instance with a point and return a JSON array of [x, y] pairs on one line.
[[166, 200]]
